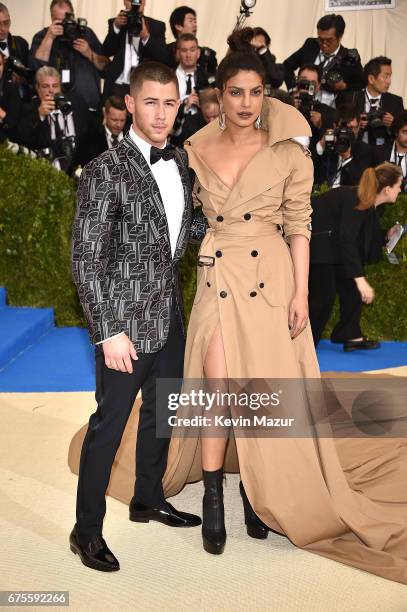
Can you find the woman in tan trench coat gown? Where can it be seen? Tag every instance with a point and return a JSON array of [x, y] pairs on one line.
[[331, 497]]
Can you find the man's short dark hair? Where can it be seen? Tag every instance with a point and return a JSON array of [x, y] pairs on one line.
[[187, 37], [177, 17], [332, 21], [152, 71], [262, 32], [374, 65], [115, 102], [399, 122], [346, 113], [3, 8], [61, 3], [312, 67]]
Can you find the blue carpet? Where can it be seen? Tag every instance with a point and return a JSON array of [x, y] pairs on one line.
[[62, 360], [21, 327]]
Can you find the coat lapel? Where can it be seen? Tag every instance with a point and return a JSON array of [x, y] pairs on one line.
[[186, 216]]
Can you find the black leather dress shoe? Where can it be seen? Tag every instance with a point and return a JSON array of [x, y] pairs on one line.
[[167, 514], [93, 552], [360, 345]]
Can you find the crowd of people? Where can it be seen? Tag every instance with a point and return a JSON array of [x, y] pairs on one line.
[[52, 100], [53, 103]]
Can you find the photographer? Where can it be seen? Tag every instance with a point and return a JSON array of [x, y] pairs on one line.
[[346, 235], [15, 51], [10, 104], [274, 72], [339, 157], [396, 150], [340, 67], [191, 80], [209, 104], [377, 106], [111, 133], [306, 98], [74, 49], [183, 20], [131, 39], [54, 125]]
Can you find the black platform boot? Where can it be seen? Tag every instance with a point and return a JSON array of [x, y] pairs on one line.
[[255, 527], [213, 516]]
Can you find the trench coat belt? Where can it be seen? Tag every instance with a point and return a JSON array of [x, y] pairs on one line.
[[239, 230]]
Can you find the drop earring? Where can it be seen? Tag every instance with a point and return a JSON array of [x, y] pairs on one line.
[[222, 123], [257, 124]]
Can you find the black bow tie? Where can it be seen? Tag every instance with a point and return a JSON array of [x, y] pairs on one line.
[[3, 45], [166, 154]]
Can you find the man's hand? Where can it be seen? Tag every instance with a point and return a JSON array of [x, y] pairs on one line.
[[55, 30], [298, 315], [121, 20], [340, 85], [363, 122], [119, 352], [393, 230], [145, 32], [192, 100], [388, 119], [47, 106], [2, 114], [366, 291], [316, 119], [82, 46]]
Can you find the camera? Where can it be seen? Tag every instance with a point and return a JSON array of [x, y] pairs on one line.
[[305, 90], [62, 104], [338, 140], [134, 21], [73, 28], [374, 117], [334, 74], [13, 64]]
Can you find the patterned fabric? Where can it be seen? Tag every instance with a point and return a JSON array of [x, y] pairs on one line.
[[121, 254]]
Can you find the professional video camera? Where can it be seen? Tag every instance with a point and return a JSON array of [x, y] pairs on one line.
[[134, 19], [73, 28], [339, 140], [334, 75], [62, 103]]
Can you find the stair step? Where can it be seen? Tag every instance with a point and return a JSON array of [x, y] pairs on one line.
[[20, 328]]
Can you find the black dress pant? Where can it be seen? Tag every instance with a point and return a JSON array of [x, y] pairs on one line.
[[325, 281], [115, 396]]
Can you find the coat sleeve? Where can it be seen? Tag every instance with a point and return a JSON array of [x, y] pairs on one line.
[[95, 215], [351, 225], [199, 223], [296, 204]]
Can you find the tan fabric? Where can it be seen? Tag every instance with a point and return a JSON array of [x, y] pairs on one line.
[[342, 499]]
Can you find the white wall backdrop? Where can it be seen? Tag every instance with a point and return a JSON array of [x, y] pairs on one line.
[[289, 22]]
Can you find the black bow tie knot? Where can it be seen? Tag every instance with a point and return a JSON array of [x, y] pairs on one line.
[[167, 153], [3, 45]]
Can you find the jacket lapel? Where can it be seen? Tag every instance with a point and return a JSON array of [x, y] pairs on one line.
[[183, 236]]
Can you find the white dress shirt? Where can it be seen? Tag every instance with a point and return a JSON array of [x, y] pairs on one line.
[[371, 102], [326, 97], [66, 124], [5, 51], [182, 77], [395, 159], [109, 137], [169, 183], [131, 57]]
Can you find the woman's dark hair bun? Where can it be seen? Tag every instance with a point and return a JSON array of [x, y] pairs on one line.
[[239, 40]]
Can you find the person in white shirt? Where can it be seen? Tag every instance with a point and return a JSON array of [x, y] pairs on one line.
[[110, 133], [131, 228]]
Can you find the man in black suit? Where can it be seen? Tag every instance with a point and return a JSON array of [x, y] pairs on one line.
[[80, 61], [306, 97], [131, 228], [261, 41], [130, 47], [62, 132], [191, 80], [10, 104], [183, 20], [376, 105], [341, 67], [343, 163], [396, 151], [10, 45], [109, 134]]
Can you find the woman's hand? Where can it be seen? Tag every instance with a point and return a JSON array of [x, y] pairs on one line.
[[298, 314], [366, 291]]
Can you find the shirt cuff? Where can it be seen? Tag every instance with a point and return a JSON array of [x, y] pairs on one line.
[[111, 338], [116, 30], [319, 149], [145, 41]]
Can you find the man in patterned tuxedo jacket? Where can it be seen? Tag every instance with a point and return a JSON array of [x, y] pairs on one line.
[[132, 226]]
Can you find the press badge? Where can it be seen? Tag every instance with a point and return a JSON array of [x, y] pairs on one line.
[[66, 76]]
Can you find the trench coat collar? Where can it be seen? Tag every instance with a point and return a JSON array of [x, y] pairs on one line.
[[282, 122]]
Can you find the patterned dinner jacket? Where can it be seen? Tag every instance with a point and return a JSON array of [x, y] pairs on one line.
[[121, 253]]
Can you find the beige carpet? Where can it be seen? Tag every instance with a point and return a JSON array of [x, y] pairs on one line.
[[162, 568]]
